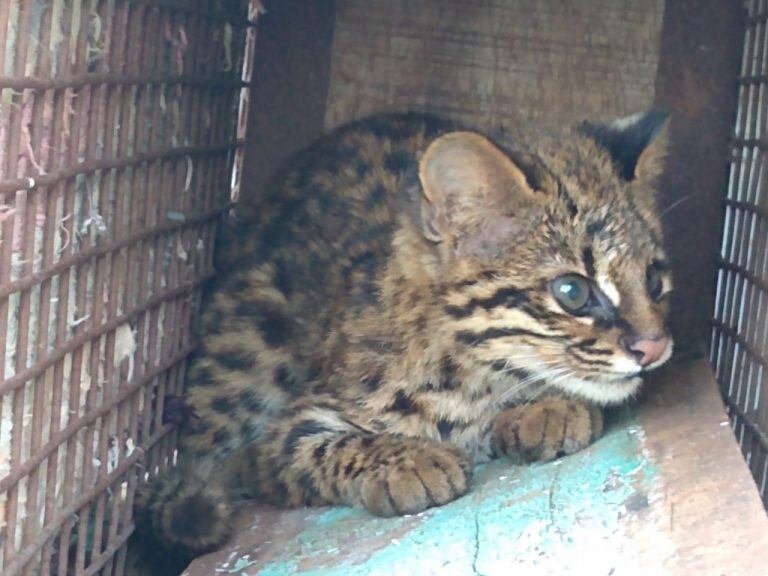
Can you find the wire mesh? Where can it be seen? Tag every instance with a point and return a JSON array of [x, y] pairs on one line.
[[739, 347], [120, 124]]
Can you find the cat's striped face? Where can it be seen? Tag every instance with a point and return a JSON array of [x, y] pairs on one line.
[[571, 286], [582, 311]]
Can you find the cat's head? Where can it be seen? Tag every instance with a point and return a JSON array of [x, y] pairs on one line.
[[553, 247]]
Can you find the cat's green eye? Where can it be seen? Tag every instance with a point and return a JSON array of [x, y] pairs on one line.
[[653, 282], [573, 292]]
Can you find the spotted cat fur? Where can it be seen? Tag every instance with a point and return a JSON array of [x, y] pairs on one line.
[[389, 320]]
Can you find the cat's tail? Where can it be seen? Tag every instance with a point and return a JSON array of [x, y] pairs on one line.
[[187, 511]]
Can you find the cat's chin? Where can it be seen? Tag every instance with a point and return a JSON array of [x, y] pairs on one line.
[[603, 393]]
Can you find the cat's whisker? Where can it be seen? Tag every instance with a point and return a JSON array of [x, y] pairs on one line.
[[548, 385], [542, 377], [539, 364], [677, 203]]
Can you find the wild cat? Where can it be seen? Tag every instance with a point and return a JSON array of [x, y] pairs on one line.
[[412, 298]]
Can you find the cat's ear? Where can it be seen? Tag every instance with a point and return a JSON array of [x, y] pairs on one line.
[[637, 144], [473, 192]]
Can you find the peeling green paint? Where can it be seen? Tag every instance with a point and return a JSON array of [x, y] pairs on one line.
[[533, 519]]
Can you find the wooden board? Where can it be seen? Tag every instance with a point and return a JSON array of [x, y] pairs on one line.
[[497, 62], [665, 491]]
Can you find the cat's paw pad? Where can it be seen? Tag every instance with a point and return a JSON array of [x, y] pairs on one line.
[[546, 429], [419, 476]]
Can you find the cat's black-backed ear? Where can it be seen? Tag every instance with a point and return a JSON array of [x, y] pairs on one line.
[[474, 193], [637, 144]]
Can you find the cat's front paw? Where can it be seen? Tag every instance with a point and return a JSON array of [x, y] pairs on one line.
[[543, 430], [415, 475]]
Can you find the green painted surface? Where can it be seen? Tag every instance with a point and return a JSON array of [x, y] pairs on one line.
[[527, 520]]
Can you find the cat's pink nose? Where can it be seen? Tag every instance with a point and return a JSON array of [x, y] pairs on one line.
[[646, 349]]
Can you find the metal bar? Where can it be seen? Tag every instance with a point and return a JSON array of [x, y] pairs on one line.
[[79, 423], [750, 424], [78, 258], [33, 519], [85, 337], [761, 211], [115, 543], [128, 127], [761, 283], [27, 221], [184, 7], [46, 180], [25, 555], [18, 83], [742, 342]]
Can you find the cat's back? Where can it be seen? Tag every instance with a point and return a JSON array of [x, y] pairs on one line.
[[331, 211], [312, 249]]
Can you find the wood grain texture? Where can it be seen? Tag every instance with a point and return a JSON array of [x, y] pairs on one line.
[[490, 63]]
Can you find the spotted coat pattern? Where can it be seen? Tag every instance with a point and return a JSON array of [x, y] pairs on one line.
[[388, 319]]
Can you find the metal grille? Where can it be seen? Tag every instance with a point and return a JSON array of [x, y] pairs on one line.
[[739, 348], [120, 123]]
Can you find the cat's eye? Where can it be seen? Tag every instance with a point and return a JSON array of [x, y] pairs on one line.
[[653, 282], [573, 292]]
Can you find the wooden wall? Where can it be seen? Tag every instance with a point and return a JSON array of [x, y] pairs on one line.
[[493, 62]]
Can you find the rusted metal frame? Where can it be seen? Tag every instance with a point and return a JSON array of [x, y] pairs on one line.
[[205, 182], [65, 152], [157, 197], [755, 283], [102, 306], [734, 284], [80, 258], [37, 83], [747, 79], [191, 116], [133, 205], [736, 337], [192, 110], [6, 244], [120, 101], [175, 183], [215, 162], [746, 252], [743, 248], [756, 18], [42, 206], [140, 407], [750, 424], [761, 143], [27, 247], [759, 210], [184, 7], [194, 198], [85, 337], [67, 512], [52, 229], [78, 279], [95, 269], [46, 180], [121, 512], [108, 555], [747, 131], [180, 267], [243, 107], [89, 418], [746, 99]]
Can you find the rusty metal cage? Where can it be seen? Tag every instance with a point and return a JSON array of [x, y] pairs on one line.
[[121, 125], [739, 347]]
